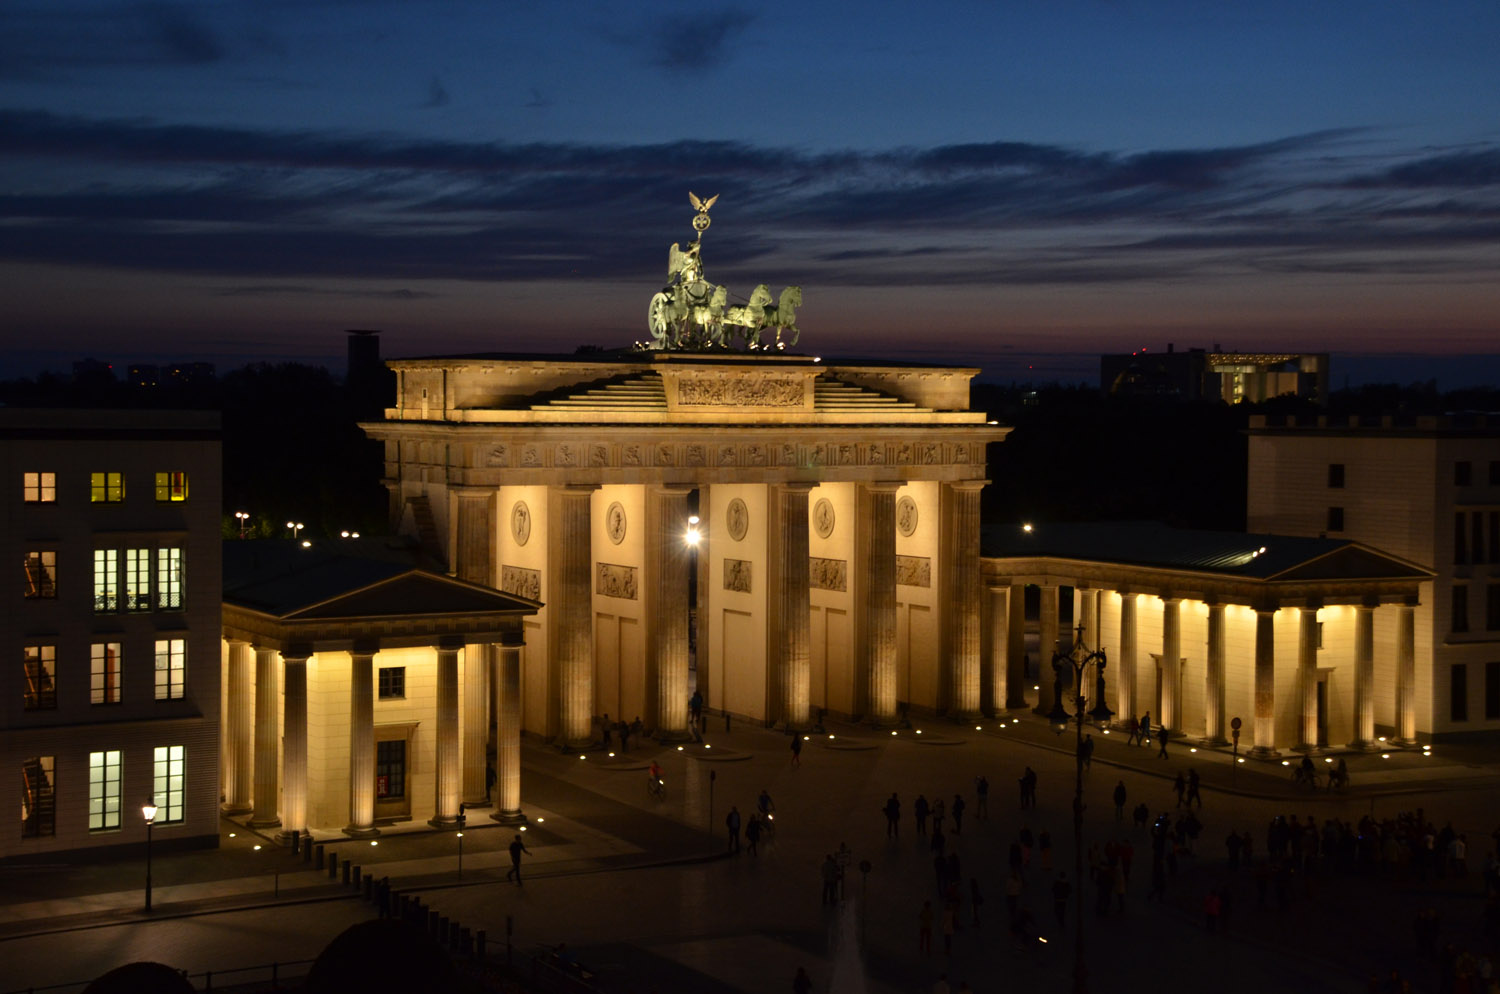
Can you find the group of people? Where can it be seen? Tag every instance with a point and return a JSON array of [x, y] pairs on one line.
[[760, 823], [608, 729]]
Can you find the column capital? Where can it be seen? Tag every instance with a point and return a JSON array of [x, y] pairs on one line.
[[463, 491], [365, 647], [576, 489], [968, 485], [1169, 597], [796, 486], [670, 489], [511, 640], [299, 651], [450, 643], [883, 486]]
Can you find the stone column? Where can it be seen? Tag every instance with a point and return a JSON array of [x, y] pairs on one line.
[[239, 722], [570, 609], [875, 578], [1364, 676], [1307, 679], [448, 788], [667, 564], [1213, 679], [1087, 600], [267, 738], [791, 603], [1125, 704], [962, 559], [294, 743], [1046, 649], [361, 742], [999, 668], [1015, 648], [1265, 683], [476, 704], [473, 558], [507, 684], [1171, 662], [1406, 674]]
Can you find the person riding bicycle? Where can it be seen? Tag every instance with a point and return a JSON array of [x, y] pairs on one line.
[[764, 805], [1307, 772], [654, 774], [1340, 775]]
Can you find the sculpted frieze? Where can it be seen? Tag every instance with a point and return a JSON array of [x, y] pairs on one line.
[[737, 575], [875, 454], [666, 455], [630, 455], [598, 455], [914, 571], [727, 455], [566, 455], [521, 582], [741, 392], [530, 456], [499, 456], [615, 581], [694, 456], [827, 574], [755, 455]]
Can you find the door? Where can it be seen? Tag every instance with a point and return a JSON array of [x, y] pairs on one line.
[[392, 798], [1323, 711]]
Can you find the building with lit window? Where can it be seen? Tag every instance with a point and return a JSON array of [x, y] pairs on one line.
[[1426, 489], [1233, 377], [112, 621]]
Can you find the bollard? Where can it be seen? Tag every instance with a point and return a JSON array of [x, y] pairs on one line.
[[318, 860], [333, 865], [479, 943], [432, 922], [453, 936], [346, 871], [296, 843], [442, 930], [307, 849], [356, 876], [466, 942], [369, 883]]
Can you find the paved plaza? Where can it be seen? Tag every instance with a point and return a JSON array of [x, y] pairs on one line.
[[642, 891]]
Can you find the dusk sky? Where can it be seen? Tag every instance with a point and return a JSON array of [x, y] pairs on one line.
[[991, 183]]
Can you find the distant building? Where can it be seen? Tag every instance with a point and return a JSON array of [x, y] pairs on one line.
[[112, 626], [370, 385], [1427, 490], [1229, 376], [147, 375]]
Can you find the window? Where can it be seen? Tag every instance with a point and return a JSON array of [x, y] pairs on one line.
[[1336, 475], [137, 579], [106, 581], [1458, 692], [167, 789], [171, 668], [390, 768], [1335, 519], [106, 488], [104, 673], [38, 797], [41, 574], [1320, 635], [1460, 545], [104, 790], [391, 683], [169, 578], [1492, 607], [1476, 537], [171, 486], [39, 488], [1492, 690], [1463, 473], [1460, 608], [40, 668]]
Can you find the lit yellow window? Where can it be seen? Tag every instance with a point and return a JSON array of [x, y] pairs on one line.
[[171, 486]]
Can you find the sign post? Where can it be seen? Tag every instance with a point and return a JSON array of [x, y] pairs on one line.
[[1234, 732]]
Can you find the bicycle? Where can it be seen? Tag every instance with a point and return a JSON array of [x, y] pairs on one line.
[[656, 788], [1305, 778]]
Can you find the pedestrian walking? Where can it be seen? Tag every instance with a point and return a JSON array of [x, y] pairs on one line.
[[892, 811], [517, 847], [1192, 789], [958, 814], [937, 815], [830, 880], [920, 810], [732, 823], [1161, 736], [1120, 801], [1141, 815], [796, 749], [924, 929], [1086, 752], [604, 727], [1180, 784], [1132, 731], [489, 778], [1061, 890], [1028, 788], [1145, 729], [802, 983], [982, 798]]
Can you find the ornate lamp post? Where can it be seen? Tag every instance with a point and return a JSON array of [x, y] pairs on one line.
[[148, 811], [1072, 666], [243, 517]]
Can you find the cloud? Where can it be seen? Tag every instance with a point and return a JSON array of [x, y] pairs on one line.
[[305, 290], [1473, 169], [698, 41], [43, 40], [437, 94]]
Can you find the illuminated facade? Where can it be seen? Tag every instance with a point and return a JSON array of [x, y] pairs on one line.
[[1309, 641], [1232, 377], [111, 626], [1427, 489], [839, 523]]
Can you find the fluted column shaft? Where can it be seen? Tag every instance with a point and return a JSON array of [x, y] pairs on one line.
[[962, 556], [1125, 704], [476, 731], [1265, 683], [1046, 649], [999, 671], [877, 532], [1406, 674], [1171, 663], [473, 558], [570, 612], [667, 566], [1364, 676], [239, 770], [294, 745], [361, 743], [448, 787], [1015, 648], [1213, 678], [507, 684], [267, 736], [791, 599], [1307, 678]]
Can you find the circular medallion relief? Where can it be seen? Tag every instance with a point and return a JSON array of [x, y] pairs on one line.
[[823, 517], [906, 516], [520, 522], [737, 519], [614, 523]]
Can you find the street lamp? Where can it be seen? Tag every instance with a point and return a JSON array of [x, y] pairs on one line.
[[244, 517], [1073, 664], [148, 811], [295, 527]]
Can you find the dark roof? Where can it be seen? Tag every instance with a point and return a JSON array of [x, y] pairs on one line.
[[348, 578], [1151, 544]]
